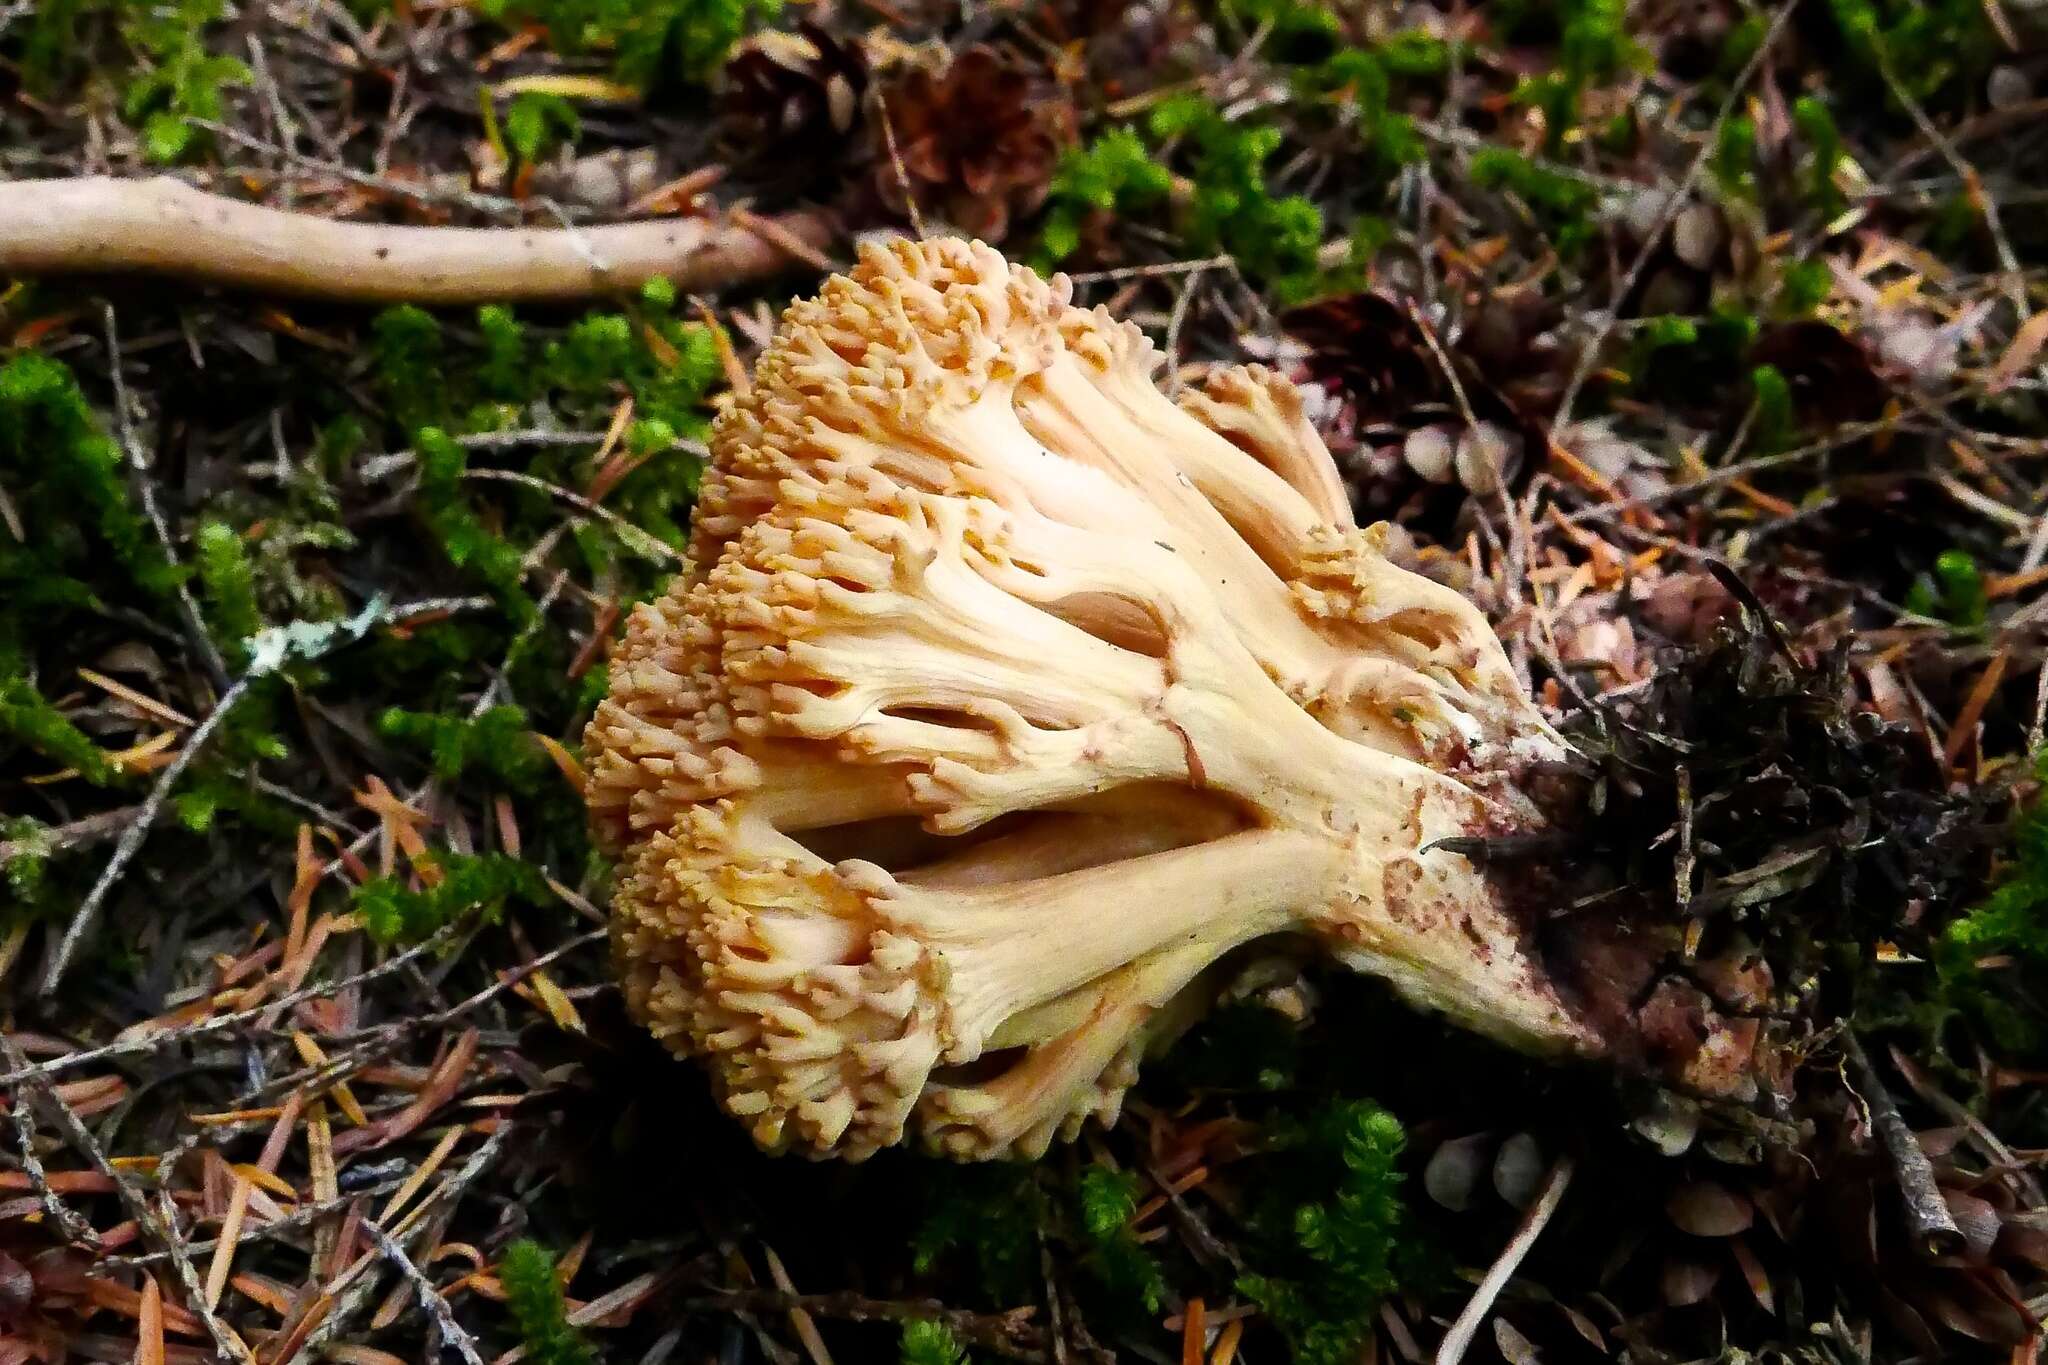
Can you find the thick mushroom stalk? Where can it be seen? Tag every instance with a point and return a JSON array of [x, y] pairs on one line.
[[1005, 698]]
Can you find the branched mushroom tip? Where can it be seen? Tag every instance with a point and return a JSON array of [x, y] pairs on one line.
[[1005, 699]]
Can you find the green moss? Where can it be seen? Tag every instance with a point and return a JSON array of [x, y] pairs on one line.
[[408, 356], [536, 124], [28, 718], [1331, 1221], [166, 76], [504, 371], [1953, 591], [1561, 204], [653, 44], [1275, 239], [1114, 174], [479, 883], [462, 534], [180, 79], [1824, 151], [499, 743], [1803, 288], [210, 792], [980, 1223], [926, 1342], [1772, 429], [1593, 47], [534, 1294], [1741, 44], [1298, 32], [67, 481], [1116, 1259], [1977, 953], [1929, 48], [1734, 163], [1366, 77], [25, 874], [227, 587]]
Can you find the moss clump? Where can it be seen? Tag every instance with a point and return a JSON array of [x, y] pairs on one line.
[[1816, 124], [536, 124], [1275, 239], [499, 744], [227, 587], [394, 913], [1331, 1220], [981, 1222], [926, 1342], [534, 1294], [1979, 955], [1561, 204], [1593, 47], [1926, 48], [24, 872], [653, 44], [28, 718], [1116, 1259], [164, 72], [1953, 591], [468, 543], [180, 80], [1772, 429], [1115, 174]]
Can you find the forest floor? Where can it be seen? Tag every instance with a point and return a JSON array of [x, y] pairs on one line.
[[1700, 342]]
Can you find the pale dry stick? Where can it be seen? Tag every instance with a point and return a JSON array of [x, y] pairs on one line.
[[1674, 203], [1459, 1338], [356, 1050], [896, 164], [436, 1307], [1974, 1128], [2008, 263], [164, 226], [131, 839], [26, 1071], [1143, 272], [69, 1222], [56, 838], [299, 1217], [132, 449], [1842, 436], [1182, 300], [163, 1230], [2037, 546], [647, 544], [801, 1322], [352, 1287]]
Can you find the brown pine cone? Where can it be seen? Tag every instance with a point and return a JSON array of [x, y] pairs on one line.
[[793, 103], [979, 136]]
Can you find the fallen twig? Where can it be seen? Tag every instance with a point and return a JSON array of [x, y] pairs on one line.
[[1934, 1228], [1459, 1338], [29, 1071], [428, 1295], [132, 837], [163, 226]]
